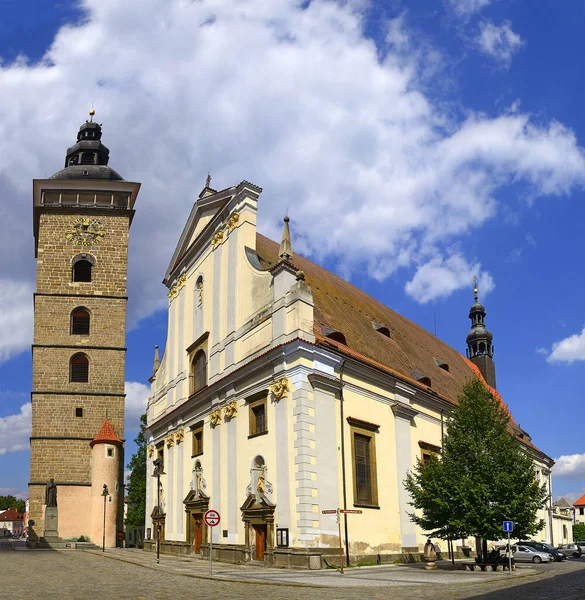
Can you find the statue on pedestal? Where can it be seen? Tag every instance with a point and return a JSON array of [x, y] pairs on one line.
[[51, 493]]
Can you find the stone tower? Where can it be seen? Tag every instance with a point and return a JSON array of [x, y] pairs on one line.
[[82, 216], [480, 349]]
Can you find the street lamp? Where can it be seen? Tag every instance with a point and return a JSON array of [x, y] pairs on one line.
[[158, 471], [105, 494]]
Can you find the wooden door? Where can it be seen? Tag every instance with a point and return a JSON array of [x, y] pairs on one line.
[[197, 532], [260, 541]]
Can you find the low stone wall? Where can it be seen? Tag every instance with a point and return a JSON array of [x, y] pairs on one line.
[[293, 558]]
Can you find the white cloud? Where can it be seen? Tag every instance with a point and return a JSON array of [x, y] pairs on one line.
[[569, 350], [498, 41], [543, 351], [266, 91], [440, 277], [570, 466], [136, 400], [15, 430], [468, 7], [16, 312]]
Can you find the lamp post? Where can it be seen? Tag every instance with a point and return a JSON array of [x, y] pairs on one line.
[[158, 471], [105, 494]]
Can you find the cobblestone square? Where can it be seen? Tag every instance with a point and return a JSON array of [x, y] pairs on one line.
[[134, 575]]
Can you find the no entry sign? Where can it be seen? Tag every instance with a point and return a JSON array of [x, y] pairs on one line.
[[211, 518]]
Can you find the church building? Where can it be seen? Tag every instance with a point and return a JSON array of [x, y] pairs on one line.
[[285, 391], [82, 217]]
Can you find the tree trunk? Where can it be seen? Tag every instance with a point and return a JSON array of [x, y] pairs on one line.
[[484, 557], [478, 548]]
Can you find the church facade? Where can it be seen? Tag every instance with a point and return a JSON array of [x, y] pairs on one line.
[[285, 391], [82, 216]]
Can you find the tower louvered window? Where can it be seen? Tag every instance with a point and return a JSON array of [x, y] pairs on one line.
[[80, 322], [79, 369]]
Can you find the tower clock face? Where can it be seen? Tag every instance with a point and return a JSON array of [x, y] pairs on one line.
[[85, 232]]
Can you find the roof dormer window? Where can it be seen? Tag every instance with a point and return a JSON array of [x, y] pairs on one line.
[[421, 377], [442, 364], [333, 334], [381, 329]]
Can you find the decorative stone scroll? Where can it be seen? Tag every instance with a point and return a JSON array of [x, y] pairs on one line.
[[280, 388], [231, 410], [233, 222], [182, 282], [173, 293], [217, 239], [215, 417], [151, 451], [170, 440], [179, 436]]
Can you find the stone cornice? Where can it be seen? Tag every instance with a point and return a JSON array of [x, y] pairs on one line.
[[326, 382], [403, 411]]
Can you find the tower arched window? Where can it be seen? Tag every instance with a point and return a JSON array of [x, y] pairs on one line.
[[79, 368], [88, 158], [80, 320], [199, 371], [82, 268]]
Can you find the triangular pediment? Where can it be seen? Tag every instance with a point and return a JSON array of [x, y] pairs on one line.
[[253, 503], [195, 496], [204, 217]]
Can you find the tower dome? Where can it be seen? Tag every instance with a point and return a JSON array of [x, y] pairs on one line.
[[88, 157]]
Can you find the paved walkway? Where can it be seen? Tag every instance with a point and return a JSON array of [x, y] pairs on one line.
[[382, 576]]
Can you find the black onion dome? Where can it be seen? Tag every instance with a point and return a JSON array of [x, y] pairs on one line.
[[102, 172], [88, 157]]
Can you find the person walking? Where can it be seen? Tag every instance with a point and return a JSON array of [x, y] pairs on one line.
[[509, 557]]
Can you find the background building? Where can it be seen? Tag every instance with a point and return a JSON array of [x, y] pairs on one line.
[[285, 391]]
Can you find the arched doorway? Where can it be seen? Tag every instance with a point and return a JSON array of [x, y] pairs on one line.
[[258, 514], [196, 504]]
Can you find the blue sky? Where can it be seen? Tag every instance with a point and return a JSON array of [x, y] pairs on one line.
[[414, 144]]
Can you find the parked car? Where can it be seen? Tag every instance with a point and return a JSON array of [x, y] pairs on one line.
[[581, 545], [524, 553], [571, 550], [542, 547]]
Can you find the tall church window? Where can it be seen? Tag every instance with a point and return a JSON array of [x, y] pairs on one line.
[[82, 266], [258, 420], [198, 371], [80, 321], [363, 450], [79, 368]]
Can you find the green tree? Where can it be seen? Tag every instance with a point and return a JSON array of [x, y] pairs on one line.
[[483, 476], [10, 501], [137, 481], [579, 532]]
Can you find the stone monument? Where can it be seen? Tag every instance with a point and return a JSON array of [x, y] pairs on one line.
[[51, 512]]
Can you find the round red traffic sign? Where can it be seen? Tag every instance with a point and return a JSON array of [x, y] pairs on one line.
[[212, 518]]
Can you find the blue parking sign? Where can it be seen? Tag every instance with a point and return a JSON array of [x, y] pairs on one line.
[[508, 526]]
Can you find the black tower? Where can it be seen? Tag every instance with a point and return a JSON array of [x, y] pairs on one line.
[[480, 349]]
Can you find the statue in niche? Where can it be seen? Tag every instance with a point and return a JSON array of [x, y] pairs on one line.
[[261, 484], [51, 493]]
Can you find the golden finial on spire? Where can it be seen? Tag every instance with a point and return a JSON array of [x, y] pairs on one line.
[[475, 284], [91, 113]]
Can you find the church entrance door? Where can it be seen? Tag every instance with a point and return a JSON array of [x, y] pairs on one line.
[[197, 532], [260, 541]]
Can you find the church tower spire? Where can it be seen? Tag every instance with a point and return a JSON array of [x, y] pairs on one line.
[[480, 349]]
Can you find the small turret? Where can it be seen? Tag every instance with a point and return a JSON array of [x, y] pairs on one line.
[[106, 454], [285, 252]]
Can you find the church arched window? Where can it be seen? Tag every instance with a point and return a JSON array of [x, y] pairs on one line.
[[79, 368], [80, 320], [199, 371]]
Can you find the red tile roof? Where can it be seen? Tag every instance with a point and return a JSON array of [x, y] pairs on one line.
[[580, 502], [410, 351], [106, 434], [11, 515]]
